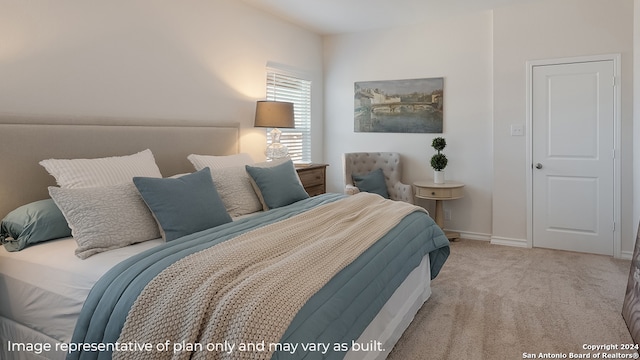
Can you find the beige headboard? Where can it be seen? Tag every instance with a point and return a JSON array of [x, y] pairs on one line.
[[25, 140]]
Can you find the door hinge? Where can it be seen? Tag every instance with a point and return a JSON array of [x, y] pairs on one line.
[[613, 153], [613, 82], [614, 226]]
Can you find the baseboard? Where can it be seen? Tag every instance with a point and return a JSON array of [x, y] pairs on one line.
[[472, 235], [496, 240], [626, 255]]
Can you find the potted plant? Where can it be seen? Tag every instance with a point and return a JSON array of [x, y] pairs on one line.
[[439, 160]]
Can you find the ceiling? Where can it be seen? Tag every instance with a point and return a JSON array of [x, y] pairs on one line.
[[343, 16]]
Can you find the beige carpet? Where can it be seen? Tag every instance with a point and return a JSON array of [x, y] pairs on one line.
[[499, 302]]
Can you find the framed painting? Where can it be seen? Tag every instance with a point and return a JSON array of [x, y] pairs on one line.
[[399, 106]]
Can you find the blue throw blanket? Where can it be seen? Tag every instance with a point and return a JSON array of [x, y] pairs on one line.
[[365, 285]]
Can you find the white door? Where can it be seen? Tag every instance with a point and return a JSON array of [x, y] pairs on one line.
[[573, 156]]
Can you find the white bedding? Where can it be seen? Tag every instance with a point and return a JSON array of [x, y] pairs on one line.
[[47, 284]]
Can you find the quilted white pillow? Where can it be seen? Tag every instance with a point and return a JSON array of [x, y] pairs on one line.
[[105, 218], [235, 189], [89, 173], [218, 162], [231, 180]]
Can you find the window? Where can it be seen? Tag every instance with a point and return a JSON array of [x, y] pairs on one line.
[[283, 86]]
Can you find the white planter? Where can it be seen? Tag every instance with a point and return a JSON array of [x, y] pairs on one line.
[[438, 176]]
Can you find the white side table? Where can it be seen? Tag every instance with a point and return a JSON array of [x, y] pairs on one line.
[[450, 190]]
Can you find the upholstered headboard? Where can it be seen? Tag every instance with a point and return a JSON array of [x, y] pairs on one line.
[[25, 140]]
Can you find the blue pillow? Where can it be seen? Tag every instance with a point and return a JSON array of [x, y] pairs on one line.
[[277, 185], [183, 205], [33, 223], [372, 182]]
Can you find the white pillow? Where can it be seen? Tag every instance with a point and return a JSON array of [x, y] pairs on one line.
[[235, 189], [105, 218], [218, 162], [88, 173]]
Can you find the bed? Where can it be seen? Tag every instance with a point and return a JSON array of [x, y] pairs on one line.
[[350, 296]]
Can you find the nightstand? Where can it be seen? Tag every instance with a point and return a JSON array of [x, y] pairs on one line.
[[450, 190], [313, 178]]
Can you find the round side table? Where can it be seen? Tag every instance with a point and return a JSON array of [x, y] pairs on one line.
[[450, 190]]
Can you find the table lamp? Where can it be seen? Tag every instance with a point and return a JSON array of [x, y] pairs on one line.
[[275, 114]]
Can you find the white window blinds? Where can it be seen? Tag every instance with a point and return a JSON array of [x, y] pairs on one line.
[[283, 86]]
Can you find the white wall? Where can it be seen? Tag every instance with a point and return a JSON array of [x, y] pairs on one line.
[[457, 49], [549, 29], [200, 60]]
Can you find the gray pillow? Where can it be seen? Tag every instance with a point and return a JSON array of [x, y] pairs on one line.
[[372, 182], [277, 185], [105, 218], [183, 205], [33, 223]]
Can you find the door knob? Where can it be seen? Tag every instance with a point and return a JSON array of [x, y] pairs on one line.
[[538, 166]]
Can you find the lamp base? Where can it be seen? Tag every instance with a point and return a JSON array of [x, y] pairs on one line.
[[276, 150]]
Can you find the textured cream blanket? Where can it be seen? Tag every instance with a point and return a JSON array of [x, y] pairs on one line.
[[249, 288]]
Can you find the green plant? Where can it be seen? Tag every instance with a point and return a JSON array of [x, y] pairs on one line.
[[439, 160], [439, 144]]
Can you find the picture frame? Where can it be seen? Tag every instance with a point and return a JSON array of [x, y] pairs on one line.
[[399, 106]]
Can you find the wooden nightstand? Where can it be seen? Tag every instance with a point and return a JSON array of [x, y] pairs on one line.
[[313, 178], [450, 190]]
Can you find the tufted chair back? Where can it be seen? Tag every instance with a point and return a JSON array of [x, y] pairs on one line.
[[361, 163]]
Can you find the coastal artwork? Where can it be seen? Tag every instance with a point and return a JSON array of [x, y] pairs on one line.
[[399, 106]]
